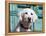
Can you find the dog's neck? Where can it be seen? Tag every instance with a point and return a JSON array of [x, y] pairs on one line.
[[24, 24]]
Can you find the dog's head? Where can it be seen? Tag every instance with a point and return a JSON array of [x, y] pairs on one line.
[[27, 15]]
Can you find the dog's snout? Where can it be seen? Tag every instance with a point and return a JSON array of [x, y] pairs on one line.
[[29, 18]]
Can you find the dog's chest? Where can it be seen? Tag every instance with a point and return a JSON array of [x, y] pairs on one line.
[[24, 27]]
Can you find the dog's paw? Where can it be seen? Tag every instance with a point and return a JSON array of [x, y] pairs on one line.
[[18, 29], [28, 30]]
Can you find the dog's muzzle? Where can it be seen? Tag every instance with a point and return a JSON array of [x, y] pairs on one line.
[[29, 19]]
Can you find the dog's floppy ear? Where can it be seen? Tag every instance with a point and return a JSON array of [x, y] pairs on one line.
[[35, 17], [20, 14]]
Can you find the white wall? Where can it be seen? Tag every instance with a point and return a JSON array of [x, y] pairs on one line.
[[30, 0], [2, 19]]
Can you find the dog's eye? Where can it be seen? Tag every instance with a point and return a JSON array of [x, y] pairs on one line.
[[26, 13], [31, 13]]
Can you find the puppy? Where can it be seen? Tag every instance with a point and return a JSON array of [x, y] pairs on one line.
[[26, 18]]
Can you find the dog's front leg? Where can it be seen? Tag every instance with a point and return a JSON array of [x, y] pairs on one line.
[[18, 29]]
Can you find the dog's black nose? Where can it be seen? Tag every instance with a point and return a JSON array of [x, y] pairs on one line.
[[29, 18]]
